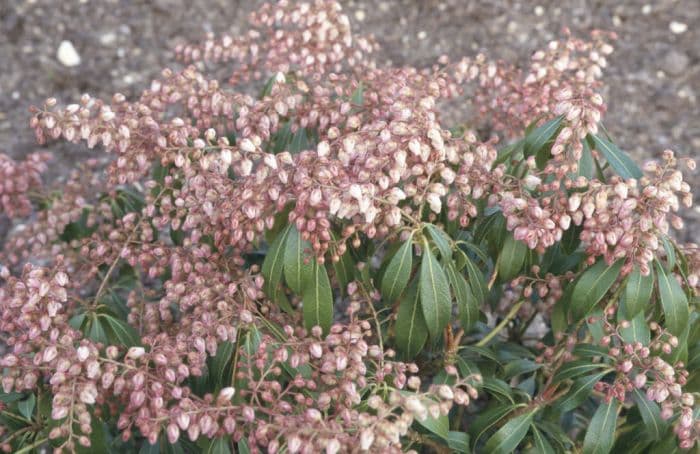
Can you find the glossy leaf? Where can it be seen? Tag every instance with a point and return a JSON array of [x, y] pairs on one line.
[[26, 406], [122, 333], [600, 435], [539, 141], [638, 292], [576, 368], [434, 294], [651, 415], [343, 269], [298, 262], [458, 442], [592, 286], [638, 331], [511, 259], [219, 446], [468, 308], [411, 330], [487, 419], [579, 391], [441, 240], [273, 268], [508, 437], [398, 272], [476, 282], [317, 298], [542, 445], [673, 301], [618, 159]]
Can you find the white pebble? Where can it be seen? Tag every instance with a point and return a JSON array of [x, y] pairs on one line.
[[67, 54], [360, 15], [677, 27], [539, 11]]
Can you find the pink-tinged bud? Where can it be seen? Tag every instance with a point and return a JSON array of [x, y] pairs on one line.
[[193, 432], [183, 421], [88, 394], [137, 399], [293, 444], [313, 415], [666, 412], [205, 424], [135, 352], [59, 412], [626, 366], [315, 350], [445, 392], [688, 400], [83, 353], [640, 380], [226, 394], [50, 354], [249, 414], [333, 446], [574, 202], [173, 433]]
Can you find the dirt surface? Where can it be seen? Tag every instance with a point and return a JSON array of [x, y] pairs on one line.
[[653, 80]]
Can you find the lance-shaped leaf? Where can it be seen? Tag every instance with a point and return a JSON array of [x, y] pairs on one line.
[[576, 368], [476, 281], [539, 142], [651, 415], [600, 435], [458, 442], [298, 262], [398, 272], [318, 299], [579, 391], [618, 159], [272, 269], [441, 240], [411, 330], [637, 331], [673, 301], [638, 292], [511, 259], [468, 307], [542, 445], [343, 269], [592, 286], [434, 294], [508, 437]]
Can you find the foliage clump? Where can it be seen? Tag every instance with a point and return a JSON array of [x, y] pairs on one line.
[[334, 265]]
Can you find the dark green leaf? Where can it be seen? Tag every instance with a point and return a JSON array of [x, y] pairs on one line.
[[511, 259], [618, 160], [411, 330], [97, 330], [298, 263], [579, 391], [638, 292], [498, 388], [26, 406], [673, 300], [123, 334], [570, 239], [434, 294], [219, 446], [519, 367], [590, 351], [592, 286], [343, 271], [539, 141], [318, 299], [441, 240], [468, 307], [542, 446], [651, 415], [600, 435], [476, 282], [458, 442], [243, 447], [573, 369], [508, 437], [272, 269], [220, 370], [638, 331], [398, 272], [585, 164], [488, 419]]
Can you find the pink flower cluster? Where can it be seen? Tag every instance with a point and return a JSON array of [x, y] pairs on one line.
[[17, 180]]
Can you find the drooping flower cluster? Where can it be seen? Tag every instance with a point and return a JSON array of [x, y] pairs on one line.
[[19, 178]]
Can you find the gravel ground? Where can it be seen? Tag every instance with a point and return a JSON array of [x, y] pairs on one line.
[[653, 81]]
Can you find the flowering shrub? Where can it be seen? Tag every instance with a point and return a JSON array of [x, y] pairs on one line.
[[328, 267]]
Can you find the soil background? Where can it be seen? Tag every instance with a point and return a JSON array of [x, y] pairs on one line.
[[652, 82]]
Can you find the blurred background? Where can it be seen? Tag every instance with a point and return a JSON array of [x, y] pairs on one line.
[[64, 48]]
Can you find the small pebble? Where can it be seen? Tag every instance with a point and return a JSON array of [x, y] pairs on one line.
[[360, 15], [646, 10], [422, 35], [67, 55], [539, 11], [677, 27], [676, 62]]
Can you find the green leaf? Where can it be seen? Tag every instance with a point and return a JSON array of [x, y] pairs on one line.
[[434, 294], [123, 334], [508, 437], [458, 442], [673, 300], [600, 435], [318, 299], [220, 364], [573, 369], [539, 142], [273, 267], [651, 415], [219, 446], [542, 446], [298, 265], [343, 271], [26, 406], [618, 160], [638, 292], [468, 307], [519, 367], [579, 391], [411, 330], [592, 286], [638, 331], [96, 330], [498, 388], [571, 238], [243, 447], [585, 164], [441, 240], [440, 426], [487, 419], [476, 282], [398, 272], [511, 259]]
